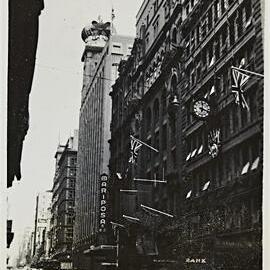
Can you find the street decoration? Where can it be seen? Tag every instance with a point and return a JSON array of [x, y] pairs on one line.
[[239, 80], [136, 144], [214, 142]]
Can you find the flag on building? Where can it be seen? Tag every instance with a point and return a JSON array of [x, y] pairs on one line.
[[135, 146], [239, 80]]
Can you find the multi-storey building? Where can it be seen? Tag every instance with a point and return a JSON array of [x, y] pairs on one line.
[[41, 224], [101, 56], [211, 163], [146, 106], [223, 174], [63, 201]]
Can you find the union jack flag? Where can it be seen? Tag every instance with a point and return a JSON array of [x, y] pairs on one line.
[[134, 148], [239, 80]]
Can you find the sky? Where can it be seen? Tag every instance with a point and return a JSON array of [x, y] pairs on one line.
[[55, 95]]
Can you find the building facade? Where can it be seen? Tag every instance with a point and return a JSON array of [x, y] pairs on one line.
[[60, 237], [175, 94], [223, 154], [43, 200], [101, 56]]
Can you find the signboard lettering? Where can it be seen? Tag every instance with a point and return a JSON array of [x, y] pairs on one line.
[[103, 202]]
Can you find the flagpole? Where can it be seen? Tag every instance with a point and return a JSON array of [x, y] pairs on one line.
[[117, 224], [155, 210], [145, 144], [150, 180], [131, 218], [249, 72]]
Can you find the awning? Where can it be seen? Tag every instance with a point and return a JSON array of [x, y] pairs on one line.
[[194, 152], [188, 156], [255, 164], [212, 91], [206, 185], [189, 194], [200, 150], [212, 61], [245, 168]]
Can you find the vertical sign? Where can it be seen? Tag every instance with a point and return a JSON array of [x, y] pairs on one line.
[[103, 202]]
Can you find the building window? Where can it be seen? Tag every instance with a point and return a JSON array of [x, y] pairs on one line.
[[148, 121], [187, 9], [232, 32], [156, 111], [210, 20], [156, 27], [174, 158], [148, 152], [174, 35], [174, 84], [164, 137], [155, 5], [157, 142], [235, 113], [244, 115]]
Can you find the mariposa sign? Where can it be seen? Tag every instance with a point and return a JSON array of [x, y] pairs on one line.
[[103, 202]]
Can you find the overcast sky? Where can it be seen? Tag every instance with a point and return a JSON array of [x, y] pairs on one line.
[[55, 95]]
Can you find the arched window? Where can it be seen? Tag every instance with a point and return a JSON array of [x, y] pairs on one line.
[[156, 111], [173, 84], [174, 35], [148, 119]]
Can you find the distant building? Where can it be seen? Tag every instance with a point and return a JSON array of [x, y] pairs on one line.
[[62, 207], [41, 224], [101, 57], [25, 248]]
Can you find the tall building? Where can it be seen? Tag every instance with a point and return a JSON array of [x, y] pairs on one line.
[[101, 57], [43, 201], [178, 94], [63, 200]]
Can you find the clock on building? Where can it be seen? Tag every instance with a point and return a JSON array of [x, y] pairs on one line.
[[201, 108]]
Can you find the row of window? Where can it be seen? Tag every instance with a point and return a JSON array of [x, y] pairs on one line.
[[239, 161], [207, 58], [228, 35]]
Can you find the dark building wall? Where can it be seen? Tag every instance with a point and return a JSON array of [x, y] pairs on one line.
[[23, 26], [196, 47]]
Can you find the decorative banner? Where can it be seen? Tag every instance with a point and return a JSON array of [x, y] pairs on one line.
[[239, 79], [214, 142], [103, 202]]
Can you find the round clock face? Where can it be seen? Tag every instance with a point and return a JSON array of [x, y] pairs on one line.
[[201, 108]]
